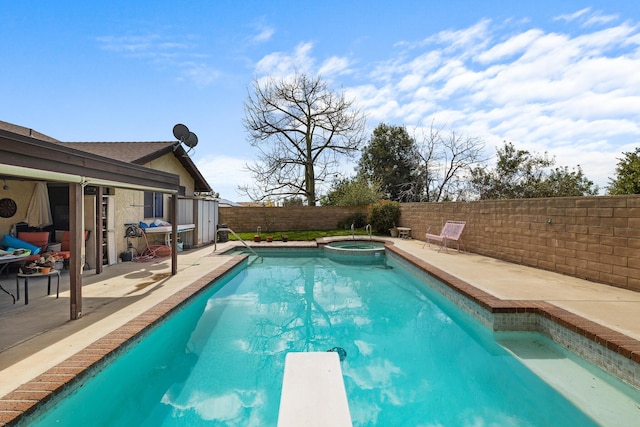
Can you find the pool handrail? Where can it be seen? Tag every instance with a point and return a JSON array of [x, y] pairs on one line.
[[215, 242]]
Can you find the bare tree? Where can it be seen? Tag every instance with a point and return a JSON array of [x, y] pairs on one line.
[[446, 159], [302, 130]]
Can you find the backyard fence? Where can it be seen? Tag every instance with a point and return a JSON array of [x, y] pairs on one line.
[[595, 238]]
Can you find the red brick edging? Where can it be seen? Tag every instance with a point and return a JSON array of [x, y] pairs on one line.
[[613, 340], [24, 400]]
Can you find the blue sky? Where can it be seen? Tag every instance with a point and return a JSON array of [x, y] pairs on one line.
[[555, 76]]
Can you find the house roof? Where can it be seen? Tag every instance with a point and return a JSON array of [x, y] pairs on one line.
[[21, 130], [140, 153], [28, 157], [131, 152]]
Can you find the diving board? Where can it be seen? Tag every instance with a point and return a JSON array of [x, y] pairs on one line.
[[313, 392]]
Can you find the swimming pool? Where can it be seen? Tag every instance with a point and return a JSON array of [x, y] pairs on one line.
[[412, 357]]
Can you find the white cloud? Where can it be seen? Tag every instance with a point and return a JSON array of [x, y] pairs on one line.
[[334, 66], [465, 41], [163, 51], [224, 174], [574, 94], [283, 64], [513, 46], [151, 45], [573, 16], [264, 34], [587, 18], [200, 73], [598, 19]]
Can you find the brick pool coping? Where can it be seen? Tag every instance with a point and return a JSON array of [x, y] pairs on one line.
[[26, 399], [614, 341], [17, 405]]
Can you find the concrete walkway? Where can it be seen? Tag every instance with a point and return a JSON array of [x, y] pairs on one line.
[[38, 336]]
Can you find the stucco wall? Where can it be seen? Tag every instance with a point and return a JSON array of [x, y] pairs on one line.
[[130, 203], [20, 192], [169, 163]]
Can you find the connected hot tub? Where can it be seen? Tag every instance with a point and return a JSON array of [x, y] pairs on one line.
[[355, 251]]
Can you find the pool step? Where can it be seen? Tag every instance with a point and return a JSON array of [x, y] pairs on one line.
[[313, 392]]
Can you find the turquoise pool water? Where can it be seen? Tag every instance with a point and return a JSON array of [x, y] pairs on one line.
[[413, 359]]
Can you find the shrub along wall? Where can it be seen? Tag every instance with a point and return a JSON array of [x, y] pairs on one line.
[[274, 219], [594, 238]]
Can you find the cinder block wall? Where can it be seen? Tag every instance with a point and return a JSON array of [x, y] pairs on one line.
[[594, 238], [289, 218]]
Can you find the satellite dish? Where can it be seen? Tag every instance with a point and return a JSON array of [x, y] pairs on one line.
[[181, 132], [191, 141]]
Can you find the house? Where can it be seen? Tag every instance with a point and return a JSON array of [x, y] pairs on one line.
[[195, 206], [102, 187]]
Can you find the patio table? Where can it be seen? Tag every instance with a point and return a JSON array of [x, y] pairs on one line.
[[5, 260], [404, 232], [26, 278]]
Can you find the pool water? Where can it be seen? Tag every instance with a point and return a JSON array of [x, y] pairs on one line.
[[413, 359]]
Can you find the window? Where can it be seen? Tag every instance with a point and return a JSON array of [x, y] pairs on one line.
[[153, 205]]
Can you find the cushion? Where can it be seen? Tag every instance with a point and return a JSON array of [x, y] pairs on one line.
[[65, 244], [36, 238], [13, 242]]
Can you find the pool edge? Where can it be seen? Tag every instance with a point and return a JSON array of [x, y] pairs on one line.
[[615, 352], [17, 405], [557, 323]]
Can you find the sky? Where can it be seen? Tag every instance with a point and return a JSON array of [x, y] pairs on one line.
[[554, 76]]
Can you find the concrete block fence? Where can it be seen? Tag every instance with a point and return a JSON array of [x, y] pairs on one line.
[[276, 219], [594, 238]]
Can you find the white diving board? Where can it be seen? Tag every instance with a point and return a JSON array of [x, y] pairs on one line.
[[313, 392]]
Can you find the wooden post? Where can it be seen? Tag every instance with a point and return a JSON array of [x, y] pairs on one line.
[[76, 240], [99, 232], [173, 215]]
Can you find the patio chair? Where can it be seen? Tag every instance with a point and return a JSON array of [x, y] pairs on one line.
[[36, 238], [451, 232]]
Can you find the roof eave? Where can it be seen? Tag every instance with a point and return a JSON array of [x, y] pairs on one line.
[[22, 153]]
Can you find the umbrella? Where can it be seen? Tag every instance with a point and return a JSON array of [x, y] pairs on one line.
[[39, 211]]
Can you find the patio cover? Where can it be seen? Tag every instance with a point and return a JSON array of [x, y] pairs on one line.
[[24, 157]]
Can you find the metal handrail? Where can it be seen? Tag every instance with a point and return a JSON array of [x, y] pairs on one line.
[[215, 243]]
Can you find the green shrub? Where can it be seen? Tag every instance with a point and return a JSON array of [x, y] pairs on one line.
[[384, 215], [358, 219]]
